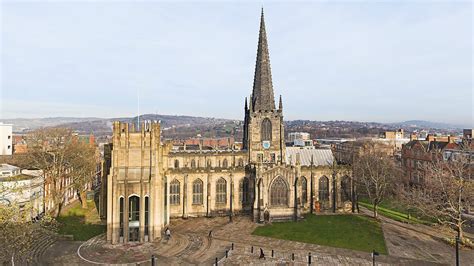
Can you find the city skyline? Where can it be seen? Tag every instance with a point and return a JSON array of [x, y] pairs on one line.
[[393, 63]]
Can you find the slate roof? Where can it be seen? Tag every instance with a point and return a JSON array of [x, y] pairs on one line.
[[321, 157]]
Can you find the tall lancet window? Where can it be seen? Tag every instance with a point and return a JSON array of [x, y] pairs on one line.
[[266, 129]]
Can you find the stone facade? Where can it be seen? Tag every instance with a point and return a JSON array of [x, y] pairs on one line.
[[151, 181]]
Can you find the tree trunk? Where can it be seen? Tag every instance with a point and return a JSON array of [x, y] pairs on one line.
[[376, 206], [460, 233], [82, 197], [58, 210]]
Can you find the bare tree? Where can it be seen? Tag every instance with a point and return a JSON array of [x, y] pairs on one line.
[[63, 158], [374, 171], [82, 158], [446, 189]]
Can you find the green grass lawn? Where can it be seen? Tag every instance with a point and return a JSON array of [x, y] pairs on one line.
[[81, 223], [395, 211], [342, 231]]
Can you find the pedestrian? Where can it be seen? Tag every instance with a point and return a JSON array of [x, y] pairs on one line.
[[210, 235], [262, 255], [168, 233]]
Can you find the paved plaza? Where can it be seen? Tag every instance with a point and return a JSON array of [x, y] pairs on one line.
[[190, 245]]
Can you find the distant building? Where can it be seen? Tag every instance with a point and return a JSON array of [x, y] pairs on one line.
[[346, 151], [392, 134], [300, 139], [292, 136], [468, 133], [23, 188], [417, 153], [19, 144], [6, 139]]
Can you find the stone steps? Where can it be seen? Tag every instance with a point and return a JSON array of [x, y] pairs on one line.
[[39, 248]]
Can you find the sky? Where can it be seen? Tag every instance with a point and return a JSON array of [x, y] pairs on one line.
[[364, 61]]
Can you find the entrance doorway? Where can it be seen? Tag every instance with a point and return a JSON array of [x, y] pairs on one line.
[[133, 218]]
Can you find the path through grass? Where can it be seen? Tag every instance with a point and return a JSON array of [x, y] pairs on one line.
[[393, 210]]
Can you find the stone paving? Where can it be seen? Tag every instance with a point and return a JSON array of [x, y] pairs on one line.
[[190, 245]]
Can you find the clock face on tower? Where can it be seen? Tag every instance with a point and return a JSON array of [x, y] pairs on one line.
[[266, 144]]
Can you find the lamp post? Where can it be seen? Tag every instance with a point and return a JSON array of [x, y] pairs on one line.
[[374, 253]]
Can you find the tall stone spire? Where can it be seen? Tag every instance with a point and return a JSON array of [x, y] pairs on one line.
[[263, 98]]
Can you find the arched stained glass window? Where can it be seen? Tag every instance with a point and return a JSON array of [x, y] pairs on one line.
[[197, 191], [266, 129], [174, 192], [324, 189], [221, 191], [304, 190], [279, 193]]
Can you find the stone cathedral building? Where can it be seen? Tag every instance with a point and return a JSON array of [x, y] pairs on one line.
[[150, 181]]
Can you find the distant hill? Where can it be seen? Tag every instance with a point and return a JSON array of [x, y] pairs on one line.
[[427, 125], [175, 126], [25, 124], [104, 125]]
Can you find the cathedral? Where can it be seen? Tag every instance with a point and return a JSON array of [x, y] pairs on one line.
[[148, 181]]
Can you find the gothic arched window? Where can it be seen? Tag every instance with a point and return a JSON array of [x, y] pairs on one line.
[[266, 132], [176, 163], [197, 191], [193, 163], [225, 164], [244, 190], [221, 191], [279, 193], [324, 189], [174, 192], [241, 162], [304, 190]]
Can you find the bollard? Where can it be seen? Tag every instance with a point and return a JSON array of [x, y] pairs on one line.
[[152, 260], [293, 256], [272, 253], [251, 250], [216, 261], [309, 258], [232, 246], [226, 253]]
